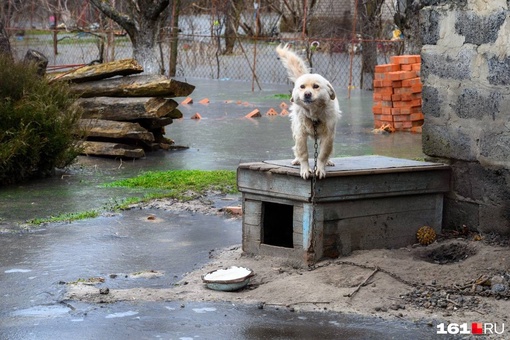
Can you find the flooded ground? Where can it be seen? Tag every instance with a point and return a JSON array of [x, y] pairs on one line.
[[36, 266], [221, 140]]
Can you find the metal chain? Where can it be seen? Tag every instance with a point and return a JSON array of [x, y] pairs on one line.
[[314, 181]]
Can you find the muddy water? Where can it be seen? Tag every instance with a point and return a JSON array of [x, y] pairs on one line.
[[221, 140]]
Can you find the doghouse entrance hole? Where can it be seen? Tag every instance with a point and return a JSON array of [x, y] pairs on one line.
[[277, 226]]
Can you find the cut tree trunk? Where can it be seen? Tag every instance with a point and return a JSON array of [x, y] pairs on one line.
[[37, 58], [99, 128], [111, 149], [133, 86], [124, 67], [127, 109]]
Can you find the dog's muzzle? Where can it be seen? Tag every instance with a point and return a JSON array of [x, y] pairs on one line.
[[307, 97]]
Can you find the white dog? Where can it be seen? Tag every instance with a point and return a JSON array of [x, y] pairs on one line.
[[313, 103]]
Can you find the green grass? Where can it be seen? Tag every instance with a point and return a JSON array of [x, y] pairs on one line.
[[177, 184], [282, 96], [67, 217], [182, 184]]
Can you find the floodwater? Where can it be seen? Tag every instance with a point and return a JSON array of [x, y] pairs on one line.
[[223, 139], [36, 264]]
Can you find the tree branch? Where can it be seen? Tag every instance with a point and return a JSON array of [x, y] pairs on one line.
[[123, 20]]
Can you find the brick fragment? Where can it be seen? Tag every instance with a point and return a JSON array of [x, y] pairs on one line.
[[187, 100], [196, 116], [253, 114], [271, 112]]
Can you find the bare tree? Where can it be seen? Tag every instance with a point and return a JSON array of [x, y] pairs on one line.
[[232, 19], [369, 12], [142, 23], [294, 13], [407, 18], [5, 46]]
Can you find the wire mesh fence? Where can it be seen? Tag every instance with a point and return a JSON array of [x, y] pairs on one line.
[[202, 55]]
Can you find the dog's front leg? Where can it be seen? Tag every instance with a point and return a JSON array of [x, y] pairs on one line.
[[301, 155], [325, 151]]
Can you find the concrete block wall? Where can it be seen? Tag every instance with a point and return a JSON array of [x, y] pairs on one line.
[[466, 103]]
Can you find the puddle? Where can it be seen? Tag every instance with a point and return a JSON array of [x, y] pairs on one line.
[[43, 311], [121, 315], [204, 310]]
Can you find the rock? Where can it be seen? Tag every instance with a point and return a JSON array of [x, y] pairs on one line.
[[133, 86], [499, 288]]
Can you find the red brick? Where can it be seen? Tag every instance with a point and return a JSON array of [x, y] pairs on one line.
[[196, 116], [284, 112], [387, 68], [253, 114], [417, 88], [384, 90], [378, 96], [402, 75], [204, 101], [396, 97], [386, 118], [409, 82], [402, 118], [416, 129], [402, 125], [271, 112], [234, 210], [405, 59], [408, 103], [417, 116], [187, 100], [284, 106], [387, 97], [410, 96], [416, 67], [386, 110]]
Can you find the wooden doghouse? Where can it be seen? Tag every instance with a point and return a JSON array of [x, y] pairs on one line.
[[364, 202]]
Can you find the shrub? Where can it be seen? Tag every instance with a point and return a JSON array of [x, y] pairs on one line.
[[37, 124]]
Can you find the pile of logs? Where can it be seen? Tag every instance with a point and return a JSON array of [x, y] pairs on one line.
[[124, 113]]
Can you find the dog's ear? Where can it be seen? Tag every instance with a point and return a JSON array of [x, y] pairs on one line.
[[331, 92]]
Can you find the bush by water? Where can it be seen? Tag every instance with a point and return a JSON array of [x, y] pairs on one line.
[[37, 124]]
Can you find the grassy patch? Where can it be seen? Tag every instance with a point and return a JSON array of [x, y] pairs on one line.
[[182, 184], [67, 217], [177, 184], [282, 96]]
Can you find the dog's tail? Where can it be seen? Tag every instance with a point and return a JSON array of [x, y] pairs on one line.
[[295, 65]]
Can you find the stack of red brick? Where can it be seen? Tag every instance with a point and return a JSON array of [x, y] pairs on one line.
[[397, 94]]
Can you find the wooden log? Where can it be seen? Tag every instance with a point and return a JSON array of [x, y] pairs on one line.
[[111, 149], [115, 130], [122, 67], [134, 86], [127, 109]]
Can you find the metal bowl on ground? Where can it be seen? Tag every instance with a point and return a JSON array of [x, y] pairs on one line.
[[228, 279]]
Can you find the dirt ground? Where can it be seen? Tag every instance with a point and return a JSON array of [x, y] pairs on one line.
[[462, 277]]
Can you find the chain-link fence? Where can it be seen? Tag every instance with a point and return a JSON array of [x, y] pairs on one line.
[[201, 55]]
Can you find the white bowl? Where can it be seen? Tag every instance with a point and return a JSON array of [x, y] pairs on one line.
[[228, 279]]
